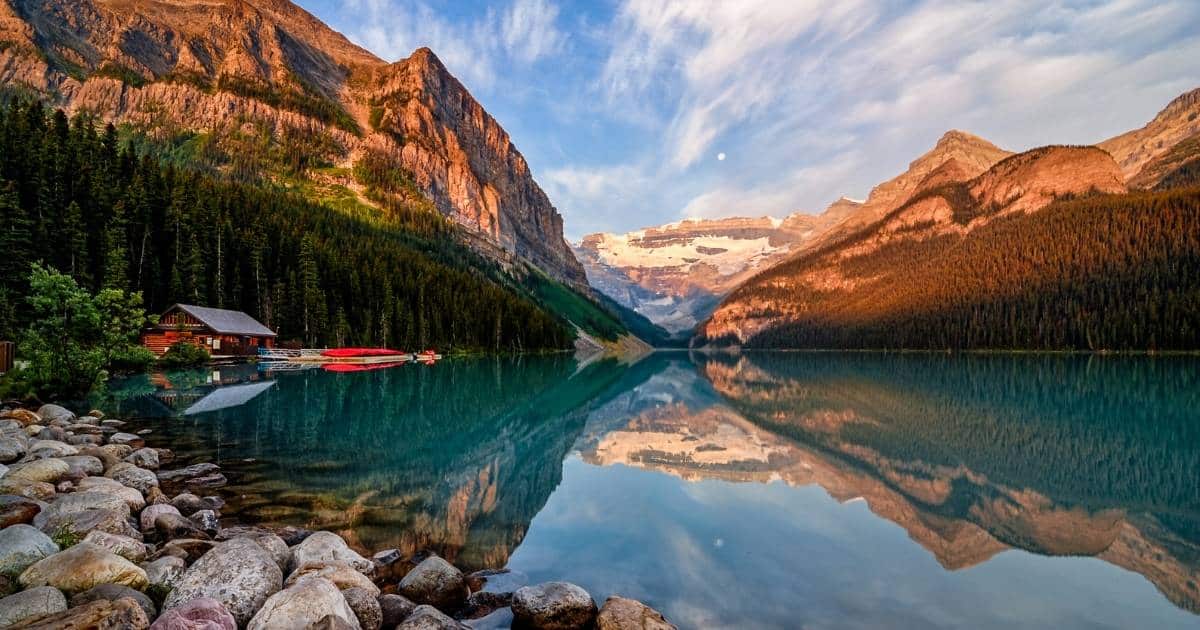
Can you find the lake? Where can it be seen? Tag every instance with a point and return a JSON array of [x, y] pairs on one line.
[[772, 490]]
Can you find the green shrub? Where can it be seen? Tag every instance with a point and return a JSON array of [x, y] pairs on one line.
[[184, 354]]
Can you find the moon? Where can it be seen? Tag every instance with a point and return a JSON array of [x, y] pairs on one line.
[[721, 157]]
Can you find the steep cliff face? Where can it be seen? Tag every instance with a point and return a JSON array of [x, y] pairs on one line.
[[842, 280], [242, 67], [675, 273], [1178, 121]]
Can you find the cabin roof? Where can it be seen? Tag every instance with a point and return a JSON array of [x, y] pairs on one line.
[[226, 322]]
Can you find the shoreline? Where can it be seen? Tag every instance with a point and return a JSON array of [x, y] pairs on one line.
[[97, 522]]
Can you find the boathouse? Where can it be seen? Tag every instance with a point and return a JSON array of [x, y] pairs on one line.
[[222, 332]]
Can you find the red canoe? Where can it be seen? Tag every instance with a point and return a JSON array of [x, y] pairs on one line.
[[349, 353]]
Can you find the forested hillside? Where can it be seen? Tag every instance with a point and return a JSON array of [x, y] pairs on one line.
[[73, 196], [1101, 272]]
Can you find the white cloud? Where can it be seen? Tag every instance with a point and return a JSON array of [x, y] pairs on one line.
[[529, 31]]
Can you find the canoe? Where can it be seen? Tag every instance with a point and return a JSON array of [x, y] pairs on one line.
[[350, 353], [358, 367]]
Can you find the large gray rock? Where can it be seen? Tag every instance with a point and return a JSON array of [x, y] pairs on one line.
[[130, 496], [366, 608], [21, 546], [113, 592], [77, 502], [339, 573], [395, 608], [52, 413], [199, 614], [619, 613], [302, 604], [322, 547], [238, 573], [152, 512], [131, 549], [132, 476], [144, 458], [11, 449], [164, 572], [31, 604], [80, 523], [553, 606], [84, 465], [427, 617], [44, 470], [82, 567], [128, 439], [435, 582]]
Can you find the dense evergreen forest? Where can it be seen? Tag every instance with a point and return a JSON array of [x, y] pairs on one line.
[[1104, 272], [76, 198]]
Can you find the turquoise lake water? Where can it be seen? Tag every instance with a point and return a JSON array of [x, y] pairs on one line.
[[774, 490]]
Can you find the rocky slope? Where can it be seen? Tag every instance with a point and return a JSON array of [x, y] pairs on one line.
[[675, 274], [1135, 150], [828, 282], [236, 69]]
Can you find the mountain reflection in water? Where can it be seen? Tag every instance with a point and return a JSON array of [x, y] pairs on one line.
[[512, 461]]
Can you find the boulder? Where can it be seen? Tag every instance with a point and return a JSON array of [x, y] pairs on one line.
[[203, 613], [85, 464], [128, 439], [16, 509], [189, 549], [427, 617], [327, 547], [124, 546], [113, 592], [51, 448], [24, 417], [207, 521], [483, 603], [82, 567], [77, 502], [619, 613], [388, 564], [339, 573], [11, 449], [52, 413], [395, 608], [172, 525], [130, 496], [21, 546], [122, 614], [436, 582], [164, 572], [304, 603], [553, 606], [39, 490], [273, 544], [238, 573], [180, 475], [80, 523], [152, 512], [132, 476], [365, 606], [188, 503], [31, 604], [43, 470], [144, 458]]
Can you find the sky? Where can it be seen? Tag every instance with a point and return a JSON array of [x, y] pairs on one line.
[[634, 113]]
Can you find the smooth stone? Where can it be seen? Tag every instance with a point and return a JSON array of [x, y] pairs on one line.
[[620, 613], [24, 417], [180, 475], [273, 544], [304, 603], [11, 449], [207, 482], [323, 547], [155, 496], [60, 449], [484, 603], [123, 614], [16, 509], [341, 574], [80, 523], [132, 476], [86, 464], [395, 608], [203, 613], [97, 414], [436, 582], [83, 428], [387, 563], [52, 433], [39, 490], [84, 441], [152, 512], [188, 503], [81, 567], [50, 413], [33, 429], [117, 451], [238, 573], [365, 606], [43, 470], [101, 453], [78, 502], [130, 496], [144, 458], [207, 521], [165, 571], [21, 546], [553, 606], [172, 525], [31, 604], [112, 423], [124, 546], [426, 617], [113, 592], [133, 441]]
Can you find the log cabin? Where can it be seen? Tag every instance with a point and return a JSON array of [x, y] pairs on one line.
[[222, 332]]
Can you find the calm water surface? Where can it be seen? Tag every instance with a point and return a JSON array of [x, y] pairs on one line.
[[762, 490]]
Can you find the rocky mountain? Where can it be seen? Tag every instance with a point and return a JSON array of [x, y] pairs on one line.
[[230, 77], [1137, 151], [674, 274]]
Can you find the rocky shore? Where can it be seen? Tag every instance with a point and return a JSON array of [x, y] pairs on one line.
[[99, 530]]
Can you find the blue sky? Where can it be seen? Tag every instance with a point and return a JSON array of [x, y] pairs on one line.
[[624, 107]]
